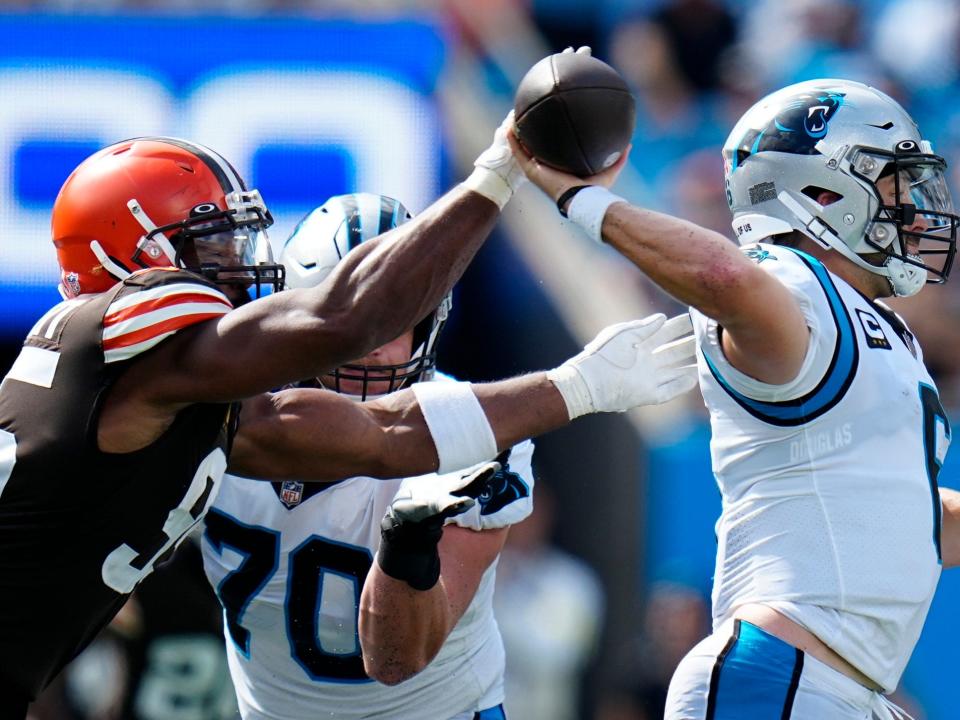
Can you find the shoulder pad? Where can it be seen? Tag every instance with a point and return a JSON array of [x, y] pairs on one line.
[[154, 304]]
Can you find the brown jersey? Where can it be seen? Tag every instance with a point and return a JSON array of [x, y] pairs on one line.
[[79, 528]]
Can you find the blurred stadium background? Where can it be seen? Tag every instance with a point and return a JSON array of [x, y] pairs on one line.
[[608, 586]]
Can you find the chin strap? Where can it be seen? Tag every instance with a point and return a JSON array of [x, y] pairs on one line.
[[814, 228], [905, 279]]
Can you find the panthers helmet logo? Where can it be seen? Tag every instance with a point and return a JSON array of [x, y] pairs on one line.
[[796, 128]]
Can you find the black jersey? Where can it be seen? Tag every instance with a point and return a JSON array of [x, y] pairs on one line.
[[79, 528]]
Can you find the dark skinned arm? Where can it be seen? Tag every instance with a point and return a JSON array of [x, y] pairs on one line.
[[374, 295], [318, 435]]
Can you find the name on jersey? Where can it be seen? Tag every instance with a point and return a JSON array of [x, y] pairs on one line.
[[822, 443]]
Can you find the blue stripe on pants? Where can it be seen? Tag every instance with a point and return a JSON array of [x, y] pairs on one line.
[[755, 677], [494, 713]]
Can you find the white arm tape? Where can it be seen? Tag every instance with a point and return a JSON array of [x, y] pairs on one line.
[[490, 185], [588, 208], [459, 427], [573, 389]]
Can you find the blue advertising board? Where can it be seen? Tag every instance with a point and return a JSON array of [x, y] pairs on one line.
[[302, 108]]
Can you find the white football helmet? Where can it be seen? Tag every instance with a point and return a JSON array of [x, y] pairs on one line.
[[857, 143], [320, 241]]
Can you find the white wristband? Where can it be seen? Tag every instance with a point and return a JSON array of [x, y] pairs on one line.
[[588, 208], [489, 184], [573, 389], [459, 427]]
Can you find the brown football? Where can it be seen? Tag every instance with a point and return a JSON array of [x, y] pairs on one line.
[[575, 113]]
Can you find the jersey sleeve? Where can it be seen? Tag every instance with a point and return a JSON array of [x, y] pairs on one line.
[[511, 492], [812, 287], [510, 497], [153, 305]]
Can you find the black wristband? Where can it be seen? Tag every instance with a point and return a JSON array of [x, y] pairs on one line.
[[408, 551], [566, 195]]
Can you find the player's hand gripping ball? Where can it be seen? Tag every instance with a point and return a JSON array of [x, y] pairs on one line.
[[574, 113]]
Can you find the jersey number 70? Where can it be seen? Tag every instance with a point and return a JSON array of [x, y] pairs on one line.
[[306, 566]]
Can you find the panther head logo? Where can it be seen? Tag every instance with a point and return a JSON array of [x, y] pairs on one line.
[[796, 128]]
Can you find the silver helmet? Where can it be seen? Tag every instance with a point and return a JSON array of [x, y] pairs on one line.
[[857, 150], [320, 241]]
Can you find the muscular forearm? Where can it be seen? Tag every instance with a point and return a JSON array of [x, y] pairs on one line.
[[317, 435], [765, 331], [401, 629], [380, 290], [697, 266], [514, 409], [522, 407]]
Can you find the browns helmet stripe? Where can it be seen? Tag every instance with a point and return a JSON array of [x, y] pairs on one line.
[[225, 173]]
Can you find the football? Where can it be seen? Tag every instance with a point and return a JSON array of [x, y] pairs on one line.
[[575, 113]]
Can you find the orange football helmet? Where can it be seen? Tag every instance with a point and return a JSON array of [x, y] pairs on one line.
[[160, 202]]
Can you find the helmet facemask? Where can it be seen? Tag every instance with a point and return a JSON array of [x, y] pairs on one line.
[[228, 247], [914, 226], [379, 380]]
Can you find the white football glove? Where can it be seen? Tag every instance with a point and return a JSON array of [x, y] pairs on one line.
[[496, 174], [582, 50], [642, 362]]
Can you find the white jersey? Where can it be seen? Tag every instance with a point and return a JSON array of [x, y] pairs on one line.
[[831, 513], [288, 561]]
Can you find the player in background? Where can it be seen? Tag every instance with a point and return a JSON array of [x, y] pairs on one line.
[[119, 415], [827, 429], [288, 559]]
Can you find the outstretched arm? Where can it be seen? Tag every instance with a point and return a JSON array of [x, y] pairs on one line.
[[765, 334], [378, 292], [319, 435], [309, 434]]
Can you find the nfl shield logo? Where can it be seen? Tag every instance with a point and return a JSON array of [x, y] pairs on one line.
[[291, 492]]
